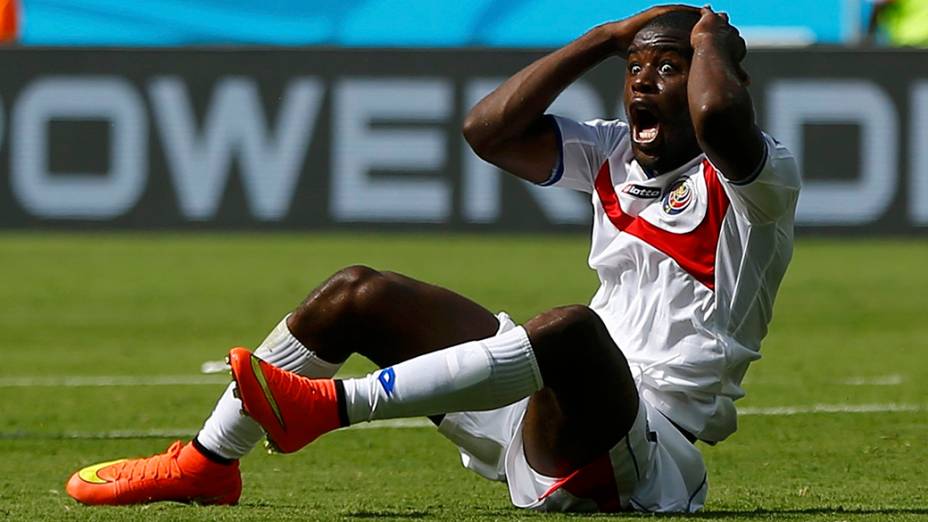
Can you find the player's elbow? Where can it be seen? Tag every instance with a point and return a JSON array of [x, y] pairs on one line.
[[479, 137]]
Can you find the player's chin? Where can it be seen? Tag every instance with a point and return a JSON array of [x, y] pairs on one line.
[[647, 157]]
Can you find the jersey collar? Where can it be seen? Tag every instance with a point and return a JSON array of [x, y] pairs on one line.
[[686, 167]]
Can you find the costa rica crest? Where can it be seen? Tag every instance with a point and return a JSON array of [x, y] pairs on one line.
[[678, 197]]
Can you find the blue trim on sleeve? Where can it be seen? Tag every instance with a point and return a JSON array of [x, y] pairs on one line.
[[559, 168], [760, 168]]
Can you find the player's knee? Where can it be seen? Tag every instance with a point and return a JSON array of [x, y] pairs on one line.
[[338, 297], [360, 287], [570, 329], [349, 279], [578, 321], [363, 291], [575, 353]]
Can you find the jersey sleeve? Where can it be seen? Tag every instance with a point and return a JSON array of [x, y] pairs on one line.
[[583, 147], [773, 189]]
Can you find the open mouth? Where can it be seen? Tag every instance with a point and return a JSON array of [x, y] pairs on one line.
[[645, 124]]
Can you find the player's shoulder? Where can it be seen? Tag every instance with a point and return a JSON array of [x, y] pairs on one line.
[[600, 138], [780, 162], [615, 136], [601, 129], [615, 127]]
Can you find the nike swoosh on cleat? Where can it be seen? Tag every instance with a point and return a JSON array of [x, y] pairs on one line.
[[89, 474], [259, 375]]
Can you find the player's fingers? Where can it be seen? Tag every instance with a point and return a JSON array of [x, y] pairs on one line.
[[724, 16]]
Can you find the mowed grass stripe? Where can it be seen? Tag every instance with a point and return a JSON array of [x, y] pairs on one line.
[[415, 423]]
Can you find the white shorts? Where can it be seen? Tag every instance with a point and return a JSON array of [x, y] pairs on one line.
[[653, 468]]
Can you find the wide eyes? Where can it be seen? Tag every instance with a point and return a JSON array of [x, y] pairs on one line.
[[664, 68]]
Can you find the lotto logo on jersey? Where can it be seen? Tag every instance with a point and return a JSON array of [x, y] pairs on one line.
[[642, 192], [678, 197]]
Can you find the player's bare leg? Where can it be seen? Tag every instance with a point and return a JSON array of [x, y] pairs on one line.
[[391, 318], [384, 316]]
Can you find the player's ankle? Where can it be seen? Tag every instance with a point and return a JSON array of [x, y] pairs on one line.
[[209, 455], [342, 401]]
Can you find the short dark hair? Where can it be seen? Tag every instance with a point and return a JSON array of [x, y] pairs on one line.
[[682, 21]]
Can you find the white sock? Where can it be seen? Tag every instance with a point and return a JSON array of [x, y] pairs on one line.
[[231, 435], [474, 376]]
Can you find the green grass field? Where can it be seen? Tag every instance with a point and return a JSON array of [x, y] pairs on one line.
[[140, 312]]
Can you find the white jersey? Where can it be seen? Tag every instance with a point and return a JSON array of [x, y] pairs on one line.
[[689, 265]]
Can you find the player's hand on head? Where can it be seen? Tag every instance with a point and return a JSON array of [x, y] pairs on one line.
[[715, 28], [625, 30]]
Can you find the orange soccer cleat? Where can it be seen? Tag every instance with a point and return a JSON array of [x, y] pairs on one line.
[[292, 409], [181, 474]]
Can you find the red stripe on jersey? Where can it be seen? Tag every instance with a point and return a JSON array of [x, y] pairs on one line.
[[595, 481], [694, 251]]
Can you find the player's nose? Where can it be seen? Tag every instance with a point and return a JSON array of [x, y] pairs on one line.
[[644, 81]]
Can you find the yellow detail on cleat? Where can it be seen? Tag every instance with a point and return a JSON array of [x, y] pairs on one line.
[[89, 474], [259, 376], [228, 360]]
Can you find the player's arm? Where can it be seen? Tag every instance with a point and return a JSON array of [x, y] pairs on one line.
[[508, 128], [719, 102]]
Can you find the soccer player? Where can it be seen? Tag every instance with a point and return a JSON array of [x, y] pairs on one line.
[[581, 408]]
